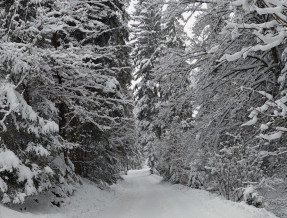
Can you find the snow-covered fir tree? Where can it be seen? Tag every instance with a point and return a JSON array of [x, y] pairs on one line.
[[175, 99], [65, 72], [146, 38]]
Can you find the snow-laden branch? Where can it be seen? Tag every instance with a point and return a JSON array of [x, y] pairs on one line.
[[270, 34], [277, 110]]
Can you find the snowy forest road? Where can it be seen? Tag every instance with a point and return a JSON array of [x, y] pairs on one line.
[[142, 195], [139, 195]]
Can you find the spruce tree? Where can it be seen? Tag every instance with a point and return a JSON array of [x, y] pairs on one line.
[[64, 88], [146, 38]]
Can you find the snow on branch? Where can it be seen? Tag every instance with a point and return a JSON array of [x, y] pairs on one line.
[[274, 109], [13, 102], [270, 34]]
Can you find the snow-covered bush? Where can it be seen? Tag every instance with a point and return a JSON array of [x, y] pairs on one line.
[[196, 177], [252, 197]]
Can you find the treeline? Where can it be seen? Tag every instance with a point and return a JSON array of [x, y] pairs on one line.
[[66, 109], [195, 93]]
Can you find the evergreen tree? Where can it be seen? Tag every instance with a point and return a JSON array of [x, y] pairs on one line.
[[175, 106], [146, 38], [64, 89], [34, 156]]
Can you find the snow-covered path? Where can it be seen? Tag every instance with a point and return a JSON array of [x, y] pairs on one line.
[[142, 195]]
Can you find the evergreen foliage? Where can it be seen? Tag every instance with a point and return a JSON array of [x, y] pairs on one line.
[[65, 72]]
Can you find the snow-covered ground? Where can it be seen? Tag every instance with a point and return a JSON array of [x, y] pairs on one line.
[[141, 195]]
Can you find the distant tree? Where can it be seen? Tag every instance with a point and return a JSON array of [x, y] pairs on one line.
[[146, 39], [175, 105]]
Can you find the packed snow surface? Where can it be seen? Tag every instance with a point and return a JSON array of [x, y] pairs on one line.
[[142, 195]]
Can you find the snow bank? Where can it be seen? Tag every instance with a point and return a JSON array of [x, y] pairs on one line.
[[8, 213]]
